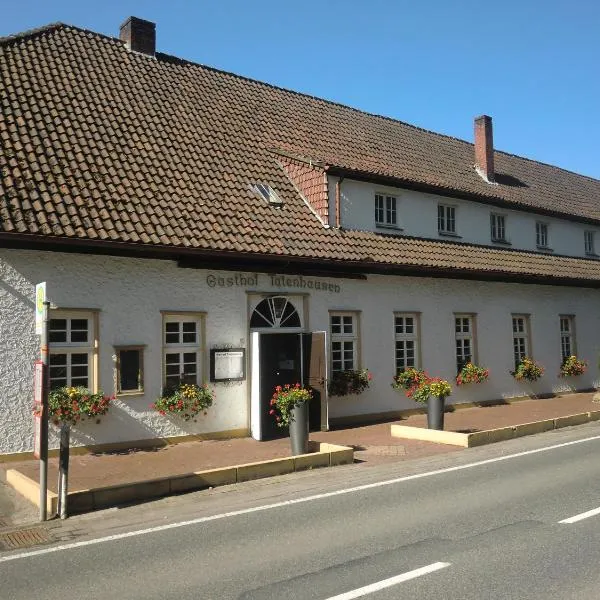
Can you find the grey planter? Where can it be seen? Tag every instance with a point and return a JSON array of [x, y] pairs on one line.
[[435, 412], [299, 429]]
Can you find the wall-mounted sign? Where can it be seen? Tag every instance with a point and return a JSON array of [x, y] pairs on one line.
[[228, 364], [40, 298], [38, 379], [277, 281]]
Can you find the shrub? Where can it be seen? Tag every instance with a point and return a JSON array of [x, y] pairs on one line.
[[421, 391], [527, 370], [571, 367], [408, 378], [344, 383], [186, 400], [471, 373], [70, 405]]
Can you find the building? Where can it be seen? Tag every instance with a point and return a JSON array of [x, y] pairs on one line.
[[191, 221]]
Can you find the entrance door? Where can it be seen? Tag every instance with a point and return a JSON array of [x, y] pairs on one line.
[[280, 363], [315, 375]]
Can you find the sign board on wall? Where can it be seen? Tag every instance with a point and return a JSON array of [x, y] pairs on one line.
[[227, 364], [38, 378], [40, 298]]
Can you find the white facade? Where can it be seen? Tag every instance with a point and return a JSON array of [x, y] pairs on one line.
[[417, 216], [131, 296]]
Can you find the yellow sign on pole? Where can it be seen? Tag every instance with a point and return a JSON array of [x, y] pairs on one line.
[[40, 298]]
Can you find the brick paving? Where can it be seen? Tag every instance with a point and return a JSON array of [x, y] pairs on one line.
[[373, 445]]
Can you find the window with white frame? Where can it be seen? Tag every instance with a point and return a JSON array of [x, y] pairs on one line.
[[71, 339], [520, 328], [567, 336], [406, 335], [385, 210], [541, 234], [446, 218], [465, 339], [344, 341], [588, 237], [498, 227], [182, 348]]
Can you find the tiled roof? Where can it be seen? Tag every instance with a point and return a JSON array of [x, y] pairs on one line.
[[99, 143]]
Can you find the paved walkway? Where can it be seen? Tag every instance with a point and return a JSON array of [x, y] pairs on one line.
[[373, 445]]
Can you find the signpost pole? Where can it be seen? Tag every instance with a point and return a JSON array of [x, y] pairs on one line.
[[44, 417], [63, 470]]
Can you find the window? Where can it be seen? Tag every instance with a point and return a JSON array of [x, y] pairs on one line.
[[541, 235], [446, 219], [129, 369], [406, 332], [567, 336], [71, 340], [344, 341], [588, 237], [498, 228], [267, 193], [464, 334], [385, 210], [520, 327], [182, 349]]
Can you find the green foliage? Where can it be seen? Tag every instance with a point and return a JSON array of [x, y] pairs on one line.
[[344, 383], [186, 400], [70, 405], [285, 399]]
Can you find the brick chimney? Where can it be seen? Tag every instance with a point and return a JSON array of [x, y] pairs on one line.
[[139, 35], [484, 148]]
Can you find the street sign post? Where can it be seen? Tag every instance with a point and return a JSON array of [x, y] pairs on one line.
[[38, 389]]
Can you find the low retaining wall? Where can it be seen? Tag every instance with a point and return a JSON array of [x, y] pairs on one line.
[[321, 455], [480, 438]]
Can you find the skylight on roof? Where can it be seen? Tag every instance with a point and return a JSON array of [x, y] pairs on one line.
[[267, 193]]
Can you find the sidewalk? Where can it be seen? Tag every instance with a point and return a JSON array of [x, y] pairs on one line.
[[373, 444]]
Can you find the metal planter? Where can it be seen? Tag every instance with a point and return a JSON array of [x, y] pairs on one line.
[[299, 428], [435, 412]]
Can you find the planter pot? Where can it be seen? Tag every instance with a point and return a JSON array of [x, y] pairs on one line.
[[299, 429], [435, 412]]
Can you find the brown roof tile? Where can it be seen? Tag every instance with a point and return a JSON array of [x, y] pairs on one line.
[[97, 142]]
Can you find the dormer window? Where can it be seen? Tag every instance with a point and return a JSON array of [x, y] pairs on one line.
[[385, 211], [446, 219], [267, 193]]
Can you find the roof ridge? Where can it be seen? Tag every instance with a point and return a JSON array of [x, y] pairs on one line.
[[50, 27]]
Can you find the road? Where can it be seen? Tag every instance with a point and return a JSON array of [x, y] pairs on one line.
[[484, 523]]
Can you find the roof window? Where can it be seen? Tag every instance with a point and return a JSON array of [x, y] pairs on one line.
[[267, 193]]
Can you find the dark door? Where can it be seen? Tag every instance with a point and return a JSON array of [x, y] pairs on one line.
[[280, 363], [313, 348]]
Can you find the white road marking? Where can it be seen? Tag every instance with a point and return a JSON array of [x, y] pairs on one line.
[[581, 516], [386, 583], [245, 511]]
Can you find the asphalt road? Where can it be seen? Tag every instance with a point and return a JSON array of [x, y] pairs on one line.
[[479, 525]]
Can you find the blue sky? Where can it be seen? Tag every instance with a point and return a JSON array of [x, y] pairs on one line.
[[533, 65]]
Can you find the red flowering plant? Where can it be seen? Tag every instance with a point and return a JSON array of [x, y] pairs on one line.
[[344, 383], [571, 367], [471, 373], [69, 405], [186, 400], [285, 399], [408, 378]]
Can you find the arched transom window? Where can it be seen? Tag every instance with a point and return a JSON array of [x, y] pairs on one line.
[[277, 311]]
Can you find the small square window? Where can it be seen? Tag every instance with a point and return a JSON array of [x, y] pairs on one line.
[[130, 369]]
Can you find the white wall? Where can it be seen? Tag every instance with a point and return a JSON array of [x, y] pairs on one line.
[[417, 216], [130, 294]]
